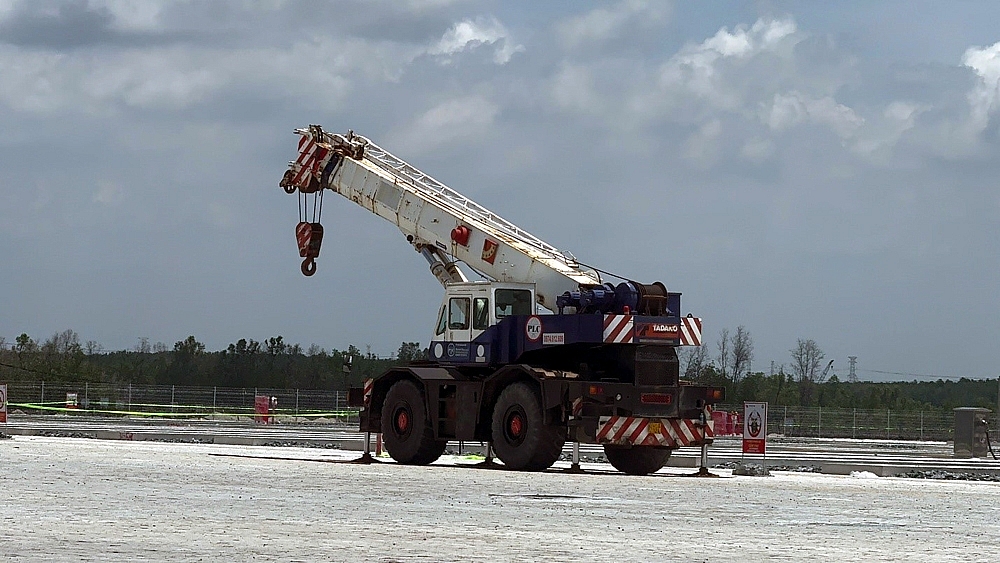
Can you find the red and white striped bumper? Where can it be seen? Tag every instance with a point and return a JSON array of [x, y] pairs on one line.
[[667, 432]]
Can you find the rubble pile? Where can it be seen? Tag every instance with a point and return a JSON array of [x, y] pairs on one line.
[[951, 475]]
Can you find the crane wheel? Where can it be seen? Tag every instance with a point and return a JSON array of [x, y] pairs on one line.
[[638, 460], [308, 267], [521, 438], [406, 429]]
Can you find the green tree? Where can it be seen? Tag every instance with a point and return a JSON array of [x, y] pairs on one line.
[[410, 352]]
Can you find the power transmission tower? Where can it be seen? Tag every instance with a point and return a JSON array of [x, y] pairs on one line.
[[853, 376]]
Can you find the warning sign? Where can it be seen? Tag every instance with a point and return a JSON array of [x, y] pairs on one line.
[[754, 428], [3, 404]]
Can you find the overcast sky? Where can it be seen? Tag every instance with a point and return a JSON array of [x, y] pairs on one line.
[[827, 172]]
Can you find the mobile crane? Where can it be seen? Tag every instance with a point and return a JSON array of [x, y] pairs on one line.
[[543, 351]]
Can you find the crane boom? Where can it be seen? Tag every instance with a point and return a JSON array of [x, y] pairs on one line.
[[442, 224]]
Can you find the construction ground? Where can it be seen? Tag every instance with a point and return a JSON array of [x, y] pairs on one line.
[[73, 499]]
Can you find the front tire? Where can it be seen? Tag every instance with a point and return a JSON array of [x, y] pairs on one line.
[[637, 460], [521, 438], [406, 429]]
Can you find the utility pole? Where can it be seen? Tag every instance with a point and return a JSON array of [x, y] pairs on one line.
[[853, 376]]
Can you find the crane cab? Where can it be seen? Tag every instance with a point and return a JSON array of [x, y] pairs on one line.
[[471, 308]]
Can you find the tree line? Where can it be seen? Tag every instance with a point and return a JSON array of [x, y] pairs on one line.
[[805, 381], [274, 363], [270, 363]]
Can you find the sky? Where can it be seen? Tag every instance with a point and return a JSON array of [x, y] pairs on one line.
[[824, 171]]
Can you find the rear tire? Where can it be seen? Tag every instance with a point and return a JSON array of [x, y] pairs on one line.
[[406, 429], [637, 460], [521, 438]]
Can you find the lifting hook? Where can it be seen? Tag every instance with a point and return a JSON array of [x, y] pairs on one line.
[[308, 266]]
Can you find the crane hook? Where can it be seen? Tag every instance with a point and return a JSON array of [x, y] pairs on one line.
[[308, 266]]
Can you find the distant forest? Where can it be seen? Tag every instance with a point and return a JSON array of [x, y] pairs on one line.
[[273, 363]]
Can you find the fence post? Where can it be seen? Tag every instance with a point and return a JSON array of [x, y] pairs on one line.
[[888, 413], [42, 400], [784, 422], [215, 393], [921, 426], [172, 398], [86, 390], [296, 402], [130, 397], [854, 424]]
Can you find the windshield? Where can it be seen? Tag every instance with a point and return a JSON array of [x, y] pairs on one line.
[[512, 302]]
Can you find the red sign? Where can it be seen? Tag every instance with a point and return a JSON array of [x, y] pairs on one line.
[[754, 428], [262, 408], [657, 331], [490, 251], [3, 404]]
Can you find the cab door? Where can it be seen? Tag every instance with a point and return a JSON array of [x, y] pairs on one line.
[[458, 314]]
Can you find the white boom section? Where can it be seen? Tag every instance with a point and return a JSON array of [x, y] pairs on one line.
[[427, 211]]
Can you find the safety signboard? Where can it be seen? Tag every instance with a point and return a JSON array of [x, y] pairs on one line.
[[3, 404], [754, 428]]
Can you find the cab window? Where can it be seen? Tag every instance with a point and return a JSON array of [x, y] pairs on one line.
[[480, 313], [442, 322], [512, 302], [458, 313]]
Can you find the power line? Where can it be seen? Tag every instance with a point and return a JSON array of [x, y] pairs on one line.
[[925, 375]]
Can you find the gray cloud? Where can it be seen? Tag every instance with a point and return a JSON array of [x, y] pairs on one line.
[[77, 24]]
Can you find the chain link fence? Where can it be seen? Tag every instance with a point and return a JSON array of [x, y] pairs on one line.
[[879, 424], [331, 406], [177, 401]]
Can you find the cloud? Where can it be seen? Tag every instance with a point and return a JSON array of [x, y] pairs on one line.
[[882, 133], [86, 24], [757, 150], [794, 107], [984, 98], [572, 88], [604, 24], [698, 69], [318, 70], [470, 34], [456, 119]]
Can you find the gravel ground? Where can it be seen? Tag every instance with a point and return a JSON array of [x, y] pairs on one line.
[[65, 499]]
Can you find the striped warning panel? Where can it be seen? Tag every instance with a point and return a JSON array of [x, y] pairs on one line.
[[690, 331], [619, 329], [668, 432], [369, 386], [310, 157]]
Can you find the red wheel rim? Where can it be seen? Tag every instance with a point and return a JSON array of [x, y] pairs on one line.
[[402, 421], [516, 425]]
